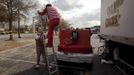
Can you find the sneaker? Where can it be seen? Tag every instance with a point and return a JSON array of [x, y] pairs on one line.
[[109, 62], [37, 66], [103, 61]]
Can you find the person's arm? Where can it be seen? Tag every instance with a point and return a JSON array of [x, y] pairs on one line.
[[43, 12]]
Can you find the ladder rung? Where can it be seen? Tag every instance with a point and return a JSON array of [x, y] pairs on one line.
[[49, 48], [54, 72], [51, 54], [52, 64]]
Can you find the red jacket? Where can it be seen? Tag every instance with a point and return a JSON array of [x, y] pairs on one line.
[[51, 12]]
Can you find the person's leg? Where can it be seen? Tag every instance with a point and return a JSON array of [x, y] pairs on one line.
[[52, 25], [38, 51], [38, 56], [43, 55], [37, 66]]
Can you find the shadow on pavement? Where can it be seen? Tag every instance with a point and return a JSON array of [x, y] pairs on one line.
[[68, 71], [104, 69]]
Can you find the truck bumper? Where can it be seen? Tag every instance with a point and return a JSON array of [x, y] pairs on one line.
[[77, 58]]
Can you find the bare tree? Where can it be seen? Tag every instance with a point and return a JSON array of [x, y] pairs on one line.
[[13, 7], [24, 7], [3, 12]]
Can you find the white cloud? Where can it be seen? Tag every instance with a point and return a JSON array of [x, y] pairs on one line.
[[80, 13], [66, 5]]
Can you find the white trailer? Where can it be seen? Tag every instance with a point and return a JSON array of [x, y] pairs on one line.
[[117, 27]]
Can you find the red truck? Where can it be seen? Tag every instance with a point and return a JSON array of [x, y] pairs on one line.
[[75, 46]]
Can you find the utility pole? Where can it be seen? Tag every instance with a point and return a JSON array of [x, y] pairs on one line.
[[33, 26], [18, 10]]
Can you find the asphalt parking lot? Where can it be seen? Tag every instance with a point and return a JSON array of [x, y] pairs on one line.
[[21, 61]]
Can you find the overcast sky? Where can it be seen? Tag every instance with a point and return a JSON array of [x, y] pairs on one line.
[[79, 13]]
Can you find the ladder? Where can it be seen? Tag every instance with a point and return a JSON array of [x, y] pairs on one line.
[[124, 67], [52, 66]]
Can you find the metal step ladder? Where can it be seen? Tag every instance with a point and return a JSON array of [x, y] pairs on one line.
[[51, 61], [50, 55], [124, 67]]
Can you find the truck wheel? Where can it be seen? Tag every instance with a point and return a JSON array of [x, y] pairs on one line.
[[116, 54]]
